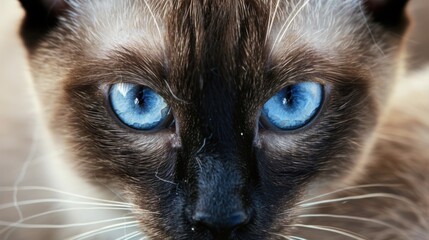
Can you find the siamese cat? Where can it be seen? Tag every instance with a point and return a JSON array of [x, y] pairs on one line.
[[244, 119]]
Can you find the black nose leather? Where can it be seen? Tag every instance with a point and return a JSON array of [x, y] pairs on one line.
[[221, 226]]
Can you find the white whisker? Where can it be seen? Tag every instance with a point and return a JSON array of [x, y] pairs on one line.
[[201, 147], [173, 94], [199, 163], [330, 229], [162, 179], [349, 188], [355, 218], [359, 197], [271, 20], [104, 230], [369, 30], [282, 27], [288, 237], [114, 192], [283, 236], [297, 238], [32, 188], [58, 211], [54, 200], [23, 172], [154, 19], [130, 235], [412, 206], [59, 226], [287, 25]]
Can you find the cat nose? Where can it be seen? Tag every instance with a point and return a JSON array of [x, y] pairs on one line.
[[221, 227]]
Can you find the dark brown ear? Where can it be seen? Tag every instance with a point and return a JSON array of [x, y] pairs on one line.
[[389, 13], [41, 16]]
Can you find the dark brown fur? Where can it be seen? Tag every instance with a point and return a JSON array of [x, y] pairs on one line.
[[216, 68]]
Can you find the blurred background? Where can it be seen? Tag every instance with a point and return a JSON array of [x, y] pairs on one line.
[[20, 148], [418, 39]]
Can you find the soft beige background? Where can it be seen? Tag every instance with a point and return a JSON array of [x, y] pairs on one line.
[[418, 43], [20, 148]]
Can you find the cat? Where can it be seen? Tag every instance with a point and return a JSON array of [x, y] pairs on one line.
[[232, 119]]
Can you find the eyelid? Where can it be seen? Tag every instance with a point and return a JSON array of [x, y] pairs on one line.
[[314, 78], [310, 78], [106, 84]]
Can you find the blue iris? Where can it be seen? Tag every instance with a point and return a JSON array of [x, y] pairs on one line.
[[294, 106], [138, 106]]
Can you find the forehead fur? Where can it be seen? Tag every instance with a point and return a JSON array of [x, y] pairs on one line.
[[325, 25], [338, 31]]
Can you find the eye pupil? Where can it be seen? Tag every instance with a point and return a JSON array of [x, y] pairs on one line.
[[139, 98], [293, 107], [289, 97]]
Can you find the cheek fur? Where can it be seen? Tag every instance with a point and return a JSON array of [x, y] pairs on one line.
[[216, 65]]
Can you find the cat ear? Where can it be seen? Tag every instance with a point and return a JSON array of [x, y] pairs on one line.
[[40, 17], [389, 13]]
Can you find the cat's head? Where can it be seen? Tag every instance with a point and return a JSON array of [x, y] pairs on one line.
[[217, 115]]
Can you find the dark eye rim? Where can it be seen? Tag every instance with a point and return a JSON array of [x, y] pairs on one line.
[[265, 125], [167, 124]]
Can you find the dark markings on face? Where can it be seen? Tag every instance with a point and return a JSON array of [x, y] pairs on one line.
[[216, 173]]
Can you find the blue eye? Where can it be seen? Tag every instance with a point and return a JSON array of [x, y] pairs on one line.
[[294, 106], [138, 106]]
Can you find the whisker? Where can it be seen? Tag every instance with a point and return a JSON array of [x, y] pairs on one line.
[[24, 170], [289, 23], [288, 237], [369, 30], [54, 200], [121, 198], [129, 235], [359, 197], [356, 218], [283, 236], [59, 226], [412, 206], [58, 211], [271, 21], [282, 27], [42, 158], [104, 230], [154, 19], [297, 238], [201, 147], [173, 94], [162, 179], [330, 229], [32, 188], [349, 188]]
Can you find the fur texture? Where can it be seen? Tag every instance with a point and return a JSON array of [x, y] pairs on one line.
[[216, 63]]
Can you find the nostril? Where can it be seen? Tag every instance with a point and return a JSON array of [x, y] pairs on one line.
[[223, 225], [237, 219]]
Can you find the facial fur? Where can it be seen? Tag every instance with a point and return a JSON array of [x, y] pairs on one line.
[[215, 63]]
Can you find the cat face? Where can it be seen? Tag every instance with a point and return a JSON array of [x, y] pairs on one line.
[[216, 115]]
